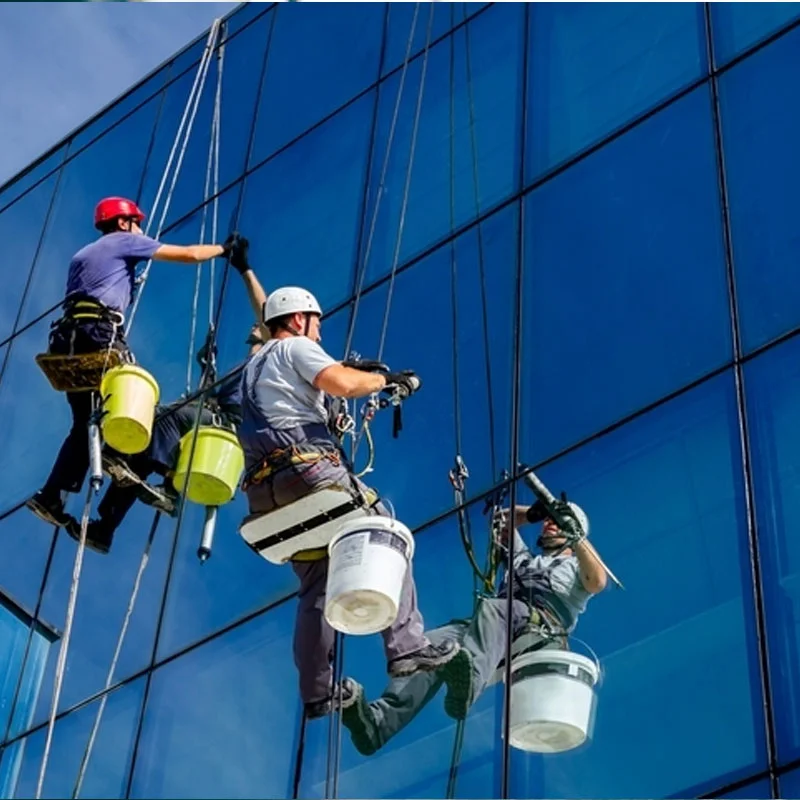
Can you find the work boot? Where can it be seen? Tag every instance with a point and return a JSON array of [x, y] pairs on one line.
[[322, 708], [457, 675], [49, 507], [163, 498], [119, 471], [426, 659], [98, 536], [359, 719]]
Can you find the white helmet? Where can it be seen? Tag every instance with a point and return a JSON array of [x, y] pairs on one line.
[[581, 517], [290, 300]]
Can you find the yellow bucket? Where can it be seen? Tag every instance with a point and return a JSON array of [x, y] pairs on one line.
[[129, 397], [216, 468]]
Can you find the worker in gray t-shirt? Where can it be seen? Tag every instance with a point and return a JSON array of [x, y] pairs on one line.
[[550, 592], [289, 453]]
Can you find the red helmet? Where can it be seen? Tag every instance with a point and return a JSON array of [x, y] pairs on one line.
[[111, 207]]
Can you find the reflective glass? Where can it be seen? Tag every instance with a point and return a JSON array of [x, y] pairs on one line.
[[737, 26], [419, 337], [626, 301], [234, 701], [106, 587], [773, 386], [242, 16], [790, 784], [108, 763], [401, 21], [21, 184], [110, 167], [313, 69], [301, 209], [235, 581], [21, 228], [593, 67], [760, 126], [490, 99], [416, 755], [758, 790], [665, 500]]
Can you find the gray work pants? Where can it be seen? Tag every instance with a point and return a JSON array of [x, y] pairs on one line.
[[313, 636], [484, 636]]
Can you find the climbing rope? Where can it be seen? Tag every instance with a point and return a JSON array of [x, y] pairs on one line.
[[115, 659], [96, 477], [212, 168], [187, 122]]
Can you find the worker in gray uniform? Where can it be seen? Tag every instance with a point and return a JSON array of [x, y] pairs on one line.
[[290, 452], [549, 593]]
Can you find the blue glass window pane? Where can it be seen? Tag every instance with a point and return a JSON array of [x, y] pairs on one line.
[[424, 292], [790, 784], [302, 209], [761, 125], [595, 67], [234, 699], [758, 790], [401, 19], [235, 581], [242, 16], [626, 301], [773, 386], [737, 26], [24, 651], [314, 66], [111, 166], [20, 185], [109, 762], [427, 741], [21, 226], [106, 587], [495, 58], [665, 499]]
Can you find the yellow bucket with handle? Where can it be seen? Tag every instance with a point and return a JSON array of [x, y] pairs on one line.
[[216, 468], [130, 395]]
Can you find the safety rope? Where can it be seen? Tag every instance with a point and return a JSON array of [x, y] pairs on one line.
[[115, 659], [212, 168], [96, 481], [187, 121]]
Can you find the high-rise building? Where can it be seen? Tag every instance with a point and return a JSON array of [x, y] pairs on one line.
[[579, 224]]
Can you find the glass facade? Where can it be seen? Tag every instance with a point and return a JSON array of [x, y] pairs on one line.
[[578, 224]]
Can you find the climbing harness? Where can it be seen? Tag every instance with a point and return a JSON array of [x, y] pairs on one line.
[[96, 470]]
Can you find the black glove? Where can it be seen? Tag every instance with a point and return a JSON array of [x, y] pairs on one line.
[[236, 248], [406, 382], [537, 512], [366, 366]]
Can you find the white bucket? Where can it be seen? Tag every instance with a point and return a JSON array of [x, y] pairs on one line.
[[368, 562], [552, 701]]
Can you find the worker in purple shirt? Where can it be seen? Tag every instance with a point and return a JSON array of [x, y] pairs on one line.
[[99, 288]]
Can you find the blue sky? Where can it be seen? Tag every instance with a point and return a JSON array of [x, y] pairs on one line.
[[62, 62]]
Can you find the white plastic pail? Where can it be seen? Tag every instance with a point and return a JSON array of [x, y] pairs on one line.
[[368, 562], [552, 701]]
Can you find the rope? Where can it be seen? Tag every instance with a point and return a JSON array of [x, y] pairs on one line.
[[407, 187], [212, 167], [112, 669], [65, 642], [191, 111]]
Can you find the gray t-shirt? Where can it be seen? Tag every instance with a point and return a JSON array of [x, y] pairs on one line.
[[282, 373], [560, 575]]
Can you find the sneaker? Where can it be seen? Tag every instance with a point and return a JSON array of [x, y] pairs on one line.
[[118, 470], [426, 659], [321, 708], [457, 675], [98, 537], [49, 508], [359, 719], [162, 498]]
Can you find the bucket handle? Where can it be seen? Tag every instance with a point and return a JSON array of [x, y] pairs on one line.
[[600, 672]]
